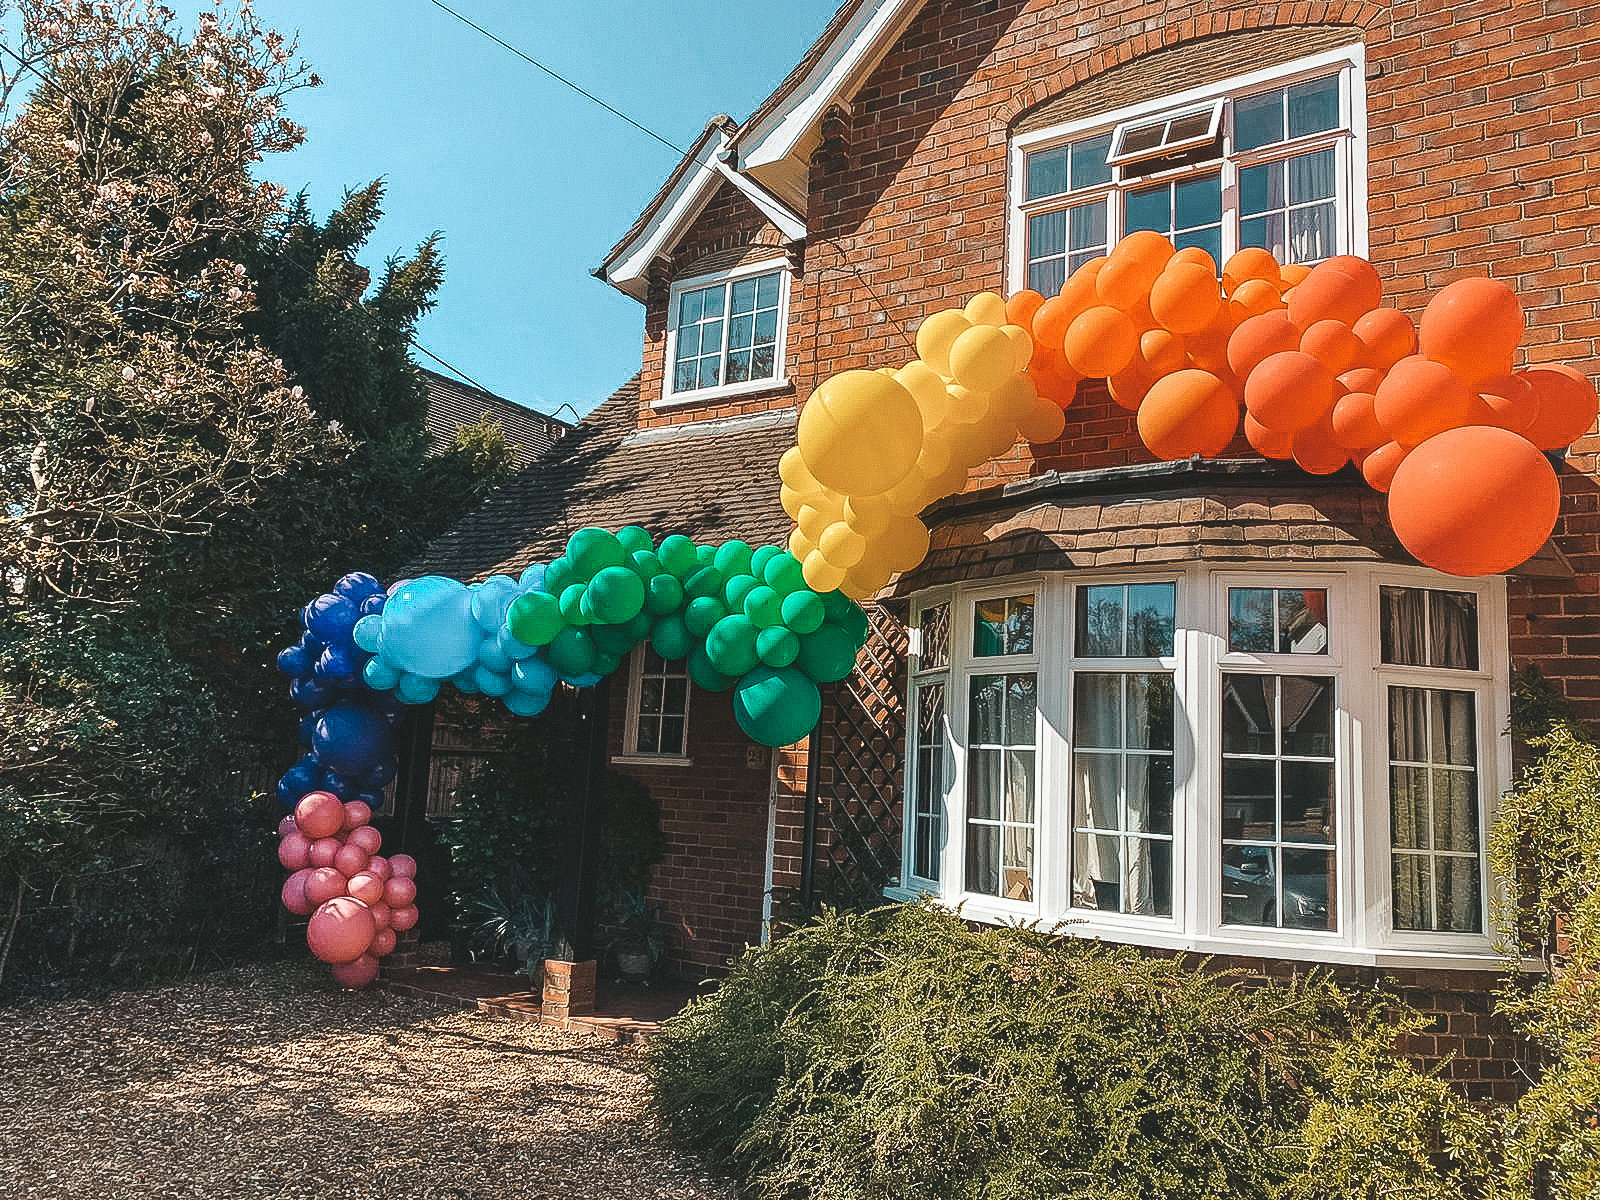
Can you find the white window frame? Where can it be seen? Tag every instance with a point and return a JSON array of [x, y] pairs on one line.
[[778, 266], [630, 732], [1362, 886], [910, 885], [1352, 224]]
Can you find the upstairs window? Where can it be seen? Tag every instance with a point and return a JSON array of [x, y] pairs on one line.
[[726, 332], [1272, 160]]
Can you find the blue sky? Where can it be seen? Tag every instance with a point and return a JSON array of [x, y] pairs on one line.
[[530, 183]]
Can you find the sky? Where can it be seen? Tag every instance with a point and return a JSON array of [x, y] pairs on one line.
[[529, 182]]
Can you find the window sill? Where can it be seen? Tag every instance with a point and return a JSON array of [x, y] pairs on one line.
[[652, 760], [726, 392]]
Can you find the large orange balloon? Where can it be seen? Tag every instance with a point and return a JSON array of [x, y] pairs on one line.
[[1474, 327], [1318, 451], [1513, 401], [1566, 406], [860, 431], [1254, 297], [1388, 334], [1333, 344], [1420, 398], [1131, 270], [1258, 339], [1042, 423], [1020, 307], [1289, 392], [1477, 500], [1162, 352], [1269, 443], [1129, 386], [1101, 342], [1053, 377], [1190, 412], [1185, 297], [1344, 288], [1251, 264]]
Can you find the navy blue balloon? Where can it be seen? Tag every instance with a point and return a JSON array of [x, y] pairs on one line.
[[308, 693], [373, 800], [351, 739], [357, 586], [311, 645], [373, 605], [335, 664], [295, 660], [379, 776], [305, 776], [336, 783], [308, 724], [331, 618]]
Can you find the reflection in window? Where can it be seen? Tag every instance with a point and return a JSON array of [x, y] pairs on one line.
[[935, 640], [930, 781], [1433, 799], [1002, 626], [1278, 801], [726, 333], [1278, 620], [1123, 728], [662, 715], [1424, 627], [1135, 620], [1001, 775], [1189, 211]]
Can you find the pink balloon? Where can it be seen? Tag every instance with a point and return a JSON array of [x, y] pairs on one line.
[[403, 865], [366, 887], [382, 915], [340, 930], [294, 894], [402, 919], [358, 974], [324, 850], [294, 852], [351, 860], [319, 814], [379, 866], [383, 943], [286, 825], [399, 892], [356, 814], [324, 884], [368, 838]]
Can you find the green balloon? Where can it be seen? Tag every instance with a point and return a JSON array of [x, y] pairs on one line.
[[737, 588], [828, 654], [677, 555], [777, 707], [612, 639], [534, 618], [558, 576], [645, 564], [760, 557], [803, 611], [572, 652], [616, 595], [670, 637], [733, 558], [837, 604], [705, 555], [663, 594], [731, 645], [634, 539], [763, 606], [572, 604], [593, 550], [702, 613], [707, 581], [783, 574], [777, 646], [704, 674], [605, 663], [639, 628], [855, 622]]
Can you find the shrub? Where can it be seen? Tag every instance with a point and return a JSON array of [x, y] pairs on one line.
[[900, 1054]]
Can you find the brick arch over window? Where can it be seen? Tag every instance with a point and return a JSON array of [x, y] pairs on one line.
[[1191, 52]]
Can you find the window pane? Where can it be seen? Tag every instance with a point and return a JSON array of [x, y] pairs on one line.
[[1149, 873], [1047, 173], [1088, 227], [984, 776], [1455, 733], [1097, 875], [985, 717], [1308, 802], [1047, 235], [1149, 209], [1187, 128], [1152, 613], [1265, 233], [1209, 240], [741, 332], [744, 296], [1453, 638], [1306, 715], [1408, 725], [1403, 637], [935, 628], [1249, 885], [1021, 709], [650, 695], [1249, 799], [1459, 886], [1019, 786], [761, 364], [1099, 790], [983, 859], [1003, 626], [1250, 621], [1313, 233], [1303, 621], [1143, 137], [1197, 201], [1413, 891], [1089, 165], [1408, 807], [1312, 177], [684, 376], [713, 301], [1047, 277], [1248, 722], [738, 366], [672, 735], [1314, 106], [767, 291], [708, 372], [767, 326], [1149, 706], [1097, 711], [1258, 121], [690, 306], [1150, 793], [1016, 870], [1261, 188], [1307, 884], [1455, 810], [1100, 622]]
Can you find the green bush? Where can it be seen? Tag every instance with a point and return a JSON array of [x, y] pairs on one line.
[[899, 1054]]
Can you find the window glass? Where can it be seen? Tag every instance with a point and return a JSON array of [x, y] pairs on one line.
[[1434, 820], [1126, 620], [726, 334], [1278, 620], [1002, 626], [932, 769], [1425, 627], [935, 629], [661, 706], [1000, 784]]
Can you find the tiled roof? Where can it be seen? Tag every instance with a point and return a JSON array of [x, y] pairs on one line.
[[710, 480], [452, 405]]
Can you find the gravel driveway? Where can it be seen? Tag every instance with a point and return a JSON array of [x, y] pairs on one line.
[[265, 1082]]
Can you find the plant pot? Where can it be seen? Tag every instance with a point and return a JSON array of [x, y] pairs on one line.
[[634, 965]]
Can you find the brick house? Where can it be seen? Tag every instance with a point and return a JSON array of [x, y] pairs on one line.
[[1191, 706]]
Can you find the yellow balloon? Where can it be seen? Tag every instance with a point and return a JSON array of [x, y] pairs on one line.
[[860, 432], [868, 515], [814, 518], [820, 574], [927, 388], [792, 470], [793, 501], [982, 358], [842, 545], [800, 545], [952, 483], [1043, 423], [1015, 397], [935, 456], [967, 405], [862, 582], [986, 308], [969, 444], [905, 544], [1021, 347], [911, 495], [937, 334], [1001, 433]]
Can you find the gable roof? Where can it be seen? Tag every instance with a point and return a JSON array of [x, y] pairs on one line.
[[452, 404], [710, 480]]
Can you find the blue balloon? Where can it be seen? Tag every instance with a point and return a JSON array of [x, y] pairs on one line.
[[378, 778], [526, 704], [511, 648], [305, 776], [308, 693], [491, 656], [357, 586], [533, 675], [366, 632], [336, 783], [308, 723], [416, 689], [372, 799], [428, 630], [350, 739], [379, 675], [587, 679], [532, 578], [336, 665], [490, 599], [467, 681], [491, 683], [373, 605], [313, 646], [296, 660], [331, 618]]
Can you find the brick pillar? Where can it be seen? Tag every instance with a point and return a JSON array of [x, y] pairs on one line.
[[568, 990]]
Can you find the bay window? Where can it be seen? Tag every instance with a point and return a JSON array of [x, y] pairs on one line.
[[1299, 766]]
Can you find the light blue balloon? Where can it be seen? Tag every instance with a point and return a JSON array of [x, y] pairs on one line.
[[513, 649], [526, 704], [379, 675], [532, 578], [368, 632], [491, 656], [491, 683], [416, 689], [490, 599], [428, 628], [533, 675], [466, 681]]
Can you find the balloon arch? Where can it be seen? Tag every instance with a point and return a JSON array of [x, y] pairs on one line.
[[1318, 369]]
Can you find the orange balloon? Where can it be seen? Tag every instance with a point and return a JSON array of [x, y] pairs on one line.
[[1251, 263], [1258, 339], [1344, 288], [1101, 342], [1474, 501], [1189, 412], [1021, 306], [1317, 450], [1208, 348], [1162, 352], [1268, 442], [1513, 401], [1361, 379], [1294, 274], [1254, 297], [1129, 386], [1355, 422], [1379, 467], [1185, 296], [1567, 406], [1289, 392], [1474, 327], [1053, 377], [1194, 254], [1050, 323], [1042, 423], [1131, 269], [1332, 344], [1388, 335], [1079, 290], [1420, 398]]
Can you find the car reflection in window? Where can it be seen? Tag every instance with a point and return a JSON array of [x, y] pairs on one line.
[[1250, 890]]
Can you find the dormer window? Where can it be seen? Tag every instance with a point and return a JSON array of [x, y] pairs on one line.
[[726, 331]]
